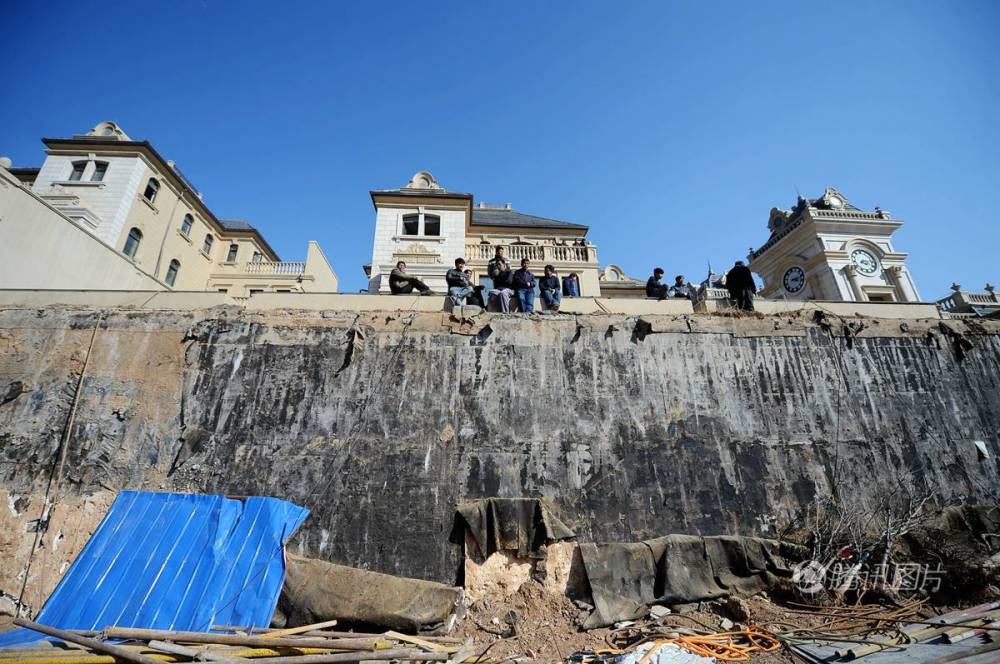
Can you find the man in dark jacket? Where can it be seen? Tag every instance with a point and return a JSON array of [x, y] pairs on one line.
[[549, 287], [503, 288], [459, 287], [401, 283], [653, 286], [741, 286], [524, 286], [493, 266]]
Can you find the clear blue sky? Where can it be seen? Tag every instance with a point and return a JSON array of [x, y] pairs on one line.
[[670, 128]]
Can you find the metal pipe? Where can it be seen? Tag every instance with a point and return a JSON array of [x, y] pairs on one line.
[[93, 644]]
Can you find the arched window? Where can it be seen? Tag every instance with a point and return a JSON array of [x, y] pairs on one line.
[[432, 225], [233, 250], [78, 168], [186, 225], [132, 242], [172, 270], [100, 169], [207, 247], [152, 188], [411, 224]]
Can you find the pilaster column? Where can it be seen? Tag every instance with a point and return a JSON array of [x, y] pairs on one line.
[[895, 273], [852, 277]]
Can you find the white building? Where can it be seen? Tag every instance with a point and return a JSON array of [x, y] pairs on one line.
[[828, 249], [428, 227], [103, 186]]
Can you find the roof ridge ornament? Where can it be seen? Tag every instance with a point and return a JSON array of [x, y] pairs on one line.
[[833, 199], [423, 180]]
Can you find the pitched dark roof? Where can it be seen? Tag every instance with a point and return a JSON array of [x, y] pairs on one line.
[[236, 225], [490, 217]]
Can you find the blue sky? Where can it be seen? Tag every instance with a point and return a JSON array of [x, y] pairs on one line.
[[670, 128]]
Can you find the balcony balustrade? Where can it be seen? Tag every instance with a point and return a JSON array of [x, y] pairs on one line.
[[542, 253]]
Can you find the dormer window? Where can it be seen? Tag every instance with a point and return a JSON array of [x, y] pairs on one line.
[[100, 170], [152, 188], [78, 168]]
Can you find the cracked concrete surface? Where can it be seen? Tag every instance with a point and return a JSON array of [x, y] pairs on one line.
[[635, 427]]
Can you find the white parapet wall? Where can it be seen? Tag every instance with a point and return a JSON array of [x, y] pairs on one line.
[[40, 247], [361, 302]]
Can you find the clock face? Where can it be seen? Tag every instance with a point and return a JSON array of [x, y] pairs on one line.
[[835, 202], [794, 279], [864, 261]]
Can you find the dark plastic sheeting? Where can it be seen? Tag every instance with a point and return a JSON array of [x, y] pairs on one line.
[[175, 561]]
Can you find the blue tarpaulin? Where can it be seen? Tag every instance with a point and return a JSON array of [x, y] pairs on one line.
[[175, 561]]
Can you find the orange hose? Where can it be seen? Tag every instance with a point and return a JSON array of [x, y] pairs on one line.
[[724, 646]]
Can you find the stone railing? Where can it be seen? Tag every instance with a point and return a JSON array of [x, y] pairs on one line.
[[543, 253], [961, 299], [269, 267], [849, 214]]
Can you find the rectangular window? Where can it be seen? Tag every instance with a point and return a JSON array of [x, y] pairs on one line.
[[432, 225], [78, 168], [231, 257], [411, 224], [100, 169], [257, 257]]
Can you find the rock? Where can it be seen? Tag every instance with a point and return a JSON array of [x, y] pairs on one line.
[[726, 624], [656, 612], [624, 623], [685, 608], [737, 609]]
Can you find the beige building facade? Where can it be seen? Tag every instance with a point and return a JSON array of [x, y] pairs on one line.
[[428, 227], [122, 193]]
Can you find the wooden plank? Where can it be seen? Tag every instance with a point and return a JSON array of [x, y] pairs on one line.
[[242, 640], [301, 629], [88, 642], [208, 655], [426, 645]]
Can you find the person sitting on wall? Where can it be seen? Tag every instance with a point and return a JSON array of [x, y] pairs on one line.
[[477, 291], [549, 287], [524, 286], [741, 286], [503, 288], [459, 287], [571, 285], [494, 265], [401, 283], [653, 286], [680, 288]]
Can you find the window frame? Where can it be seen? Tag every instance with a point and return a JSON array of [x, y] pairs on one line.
[[232, 252], [173, 269], [79, 168], [188, 221], [207, 244], [155, 184], [100, 168], [133, 240]]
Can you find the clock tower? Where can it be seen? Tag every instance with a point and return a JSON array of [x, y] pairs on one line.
[[828, 249]]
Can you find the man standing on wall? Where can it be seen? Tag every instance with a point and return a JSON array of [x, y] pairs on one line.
[[741, 286], [459, 287], [524, 286]]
